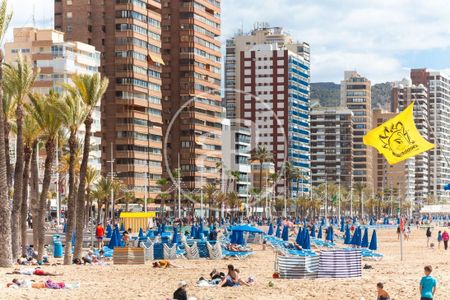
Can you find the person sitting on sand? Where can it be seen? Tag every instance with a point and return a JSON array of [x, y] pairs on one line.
[[125, 238], [181, 293], [164, 264], [232, 278], [37, 271], [381, 293]]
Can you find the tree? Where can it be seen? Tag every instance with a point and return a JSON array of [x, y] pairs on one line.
[[233, 202], [236, 175], [290, 172], [73, 113], [5, 208], [101, 193], [44, 110], [90, 89], [18, 80], [92, 176], [9, 108], [31, 132], [210, 190], [163, 182], [359, 189], [273, 179], [261, 155]]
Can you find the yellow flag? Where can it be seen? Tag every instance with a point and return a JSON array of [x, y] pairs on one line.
[[398, 139]]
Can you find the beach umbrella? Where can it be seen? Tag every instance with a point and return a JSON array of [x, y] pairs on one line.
[[118, 238], [357, 237], [342, 226], [347, 236], [313, 231], [373, 242], [122, 227], [198, 233], [319, 234], [306, 241], [299, 237], [141, 234], [322, 222], [192, 231], [365, 239], [330, 234], [108, 231], [240, 237], [278, 231], [270, 232], [175, 236], [233, 237], [371, 222], [285, 234], [112, 241], [64, 229], [163, 228], [150, 234]]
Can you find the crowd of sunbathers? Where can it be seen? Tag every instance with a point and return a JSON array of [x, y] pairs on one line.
[[238, 248]]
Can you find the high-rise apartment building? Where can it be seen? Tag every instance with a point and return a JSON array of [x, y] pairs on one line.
[[192, 110], [332, 146], [403, 93], [276, 104], [356, 96], [397, 181], [128, 35], [57, 61], [438, 86]]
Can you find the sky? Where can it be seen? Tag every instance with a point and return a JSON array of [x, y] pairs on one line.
[[381, 39]]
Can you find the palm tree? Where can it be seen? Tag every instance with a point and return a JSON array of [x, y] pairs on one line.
[[289, 173], [18, 81], [45, 111], [162, 183], [92, 176], [359, 189], [210, 190], [9, 108], [236, 175], [34, 192], [273, 179], [31, 132], [73, 112], [261, 155], [90, 89], [233, 202], [5, 208], [101, 193]]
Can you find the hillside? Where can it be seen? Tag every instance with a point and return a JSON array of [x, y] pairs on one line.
[[328, 93]]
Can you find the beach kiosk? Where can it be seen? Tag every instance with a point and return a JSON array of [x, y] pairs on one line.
[[137, 220]]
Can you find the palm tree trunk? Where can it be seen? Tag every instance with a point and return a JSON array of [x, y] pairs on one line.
[[24, 208], [98, 211], [18, 183], [8, 158], [50, 150], [34, 194], [297, 206], [105, 218], [71, 203], [260, 187], [82, 188], [5, 206]]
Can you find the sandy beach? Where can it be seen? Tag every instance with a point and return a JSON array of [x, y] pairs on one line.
[[401, 279]]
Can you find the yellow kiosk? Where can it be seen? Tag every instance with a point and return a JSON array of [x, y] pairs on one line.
[[136, 220]]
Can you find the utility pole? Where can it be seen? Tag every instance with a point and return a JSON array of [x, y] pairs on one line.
[[285, 193], [179, 188], [339, 199], [58, 199], [112, 180], [201, 194]]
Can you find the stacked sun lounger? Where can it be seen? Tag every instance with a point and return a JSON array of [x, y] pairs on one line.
[[191, 251], [128, 256], [340, 263], [215, 251]]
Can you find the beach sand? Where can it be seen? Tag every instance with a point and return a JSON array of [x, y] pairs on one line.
[[401, 278]]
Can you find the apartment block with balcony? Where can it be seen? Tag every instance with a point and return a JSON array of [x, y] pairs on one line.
[[192, 110], [57, 61], [438, 101], [128, 35], [403, 93], [332, 146], [356, 96]]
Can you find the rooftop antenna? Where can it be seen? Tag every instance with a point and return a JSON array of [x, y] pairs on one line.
[[34, 19]]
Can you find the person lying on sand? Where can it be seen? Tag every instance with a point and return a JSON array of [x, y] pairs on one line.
[[238, 248], [48, 284], [38, 271], [164, 264], [381, 293]]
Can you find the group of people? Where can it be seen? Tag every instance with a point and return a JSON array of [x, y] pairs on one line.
[[442, 237]]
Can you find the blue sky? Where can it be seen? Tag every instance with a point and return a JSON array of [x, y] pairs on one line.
[[382, 39]]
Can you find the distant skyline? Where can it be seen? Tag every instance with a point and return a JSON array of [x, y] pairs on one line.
[[380, 39]]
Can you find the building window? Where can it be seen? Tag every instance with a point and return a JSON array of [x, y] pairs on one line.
[[69, 15], [69, 2], [69, 28]]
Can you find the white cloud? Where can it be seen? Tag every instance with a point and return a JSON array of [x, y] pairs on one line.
[[370, 36]]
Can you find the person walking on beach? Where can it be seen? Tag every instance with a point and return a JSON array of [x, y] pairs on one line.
[[427, 285], [428, 236], [445, 238], [439, 239], [99, 234]]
